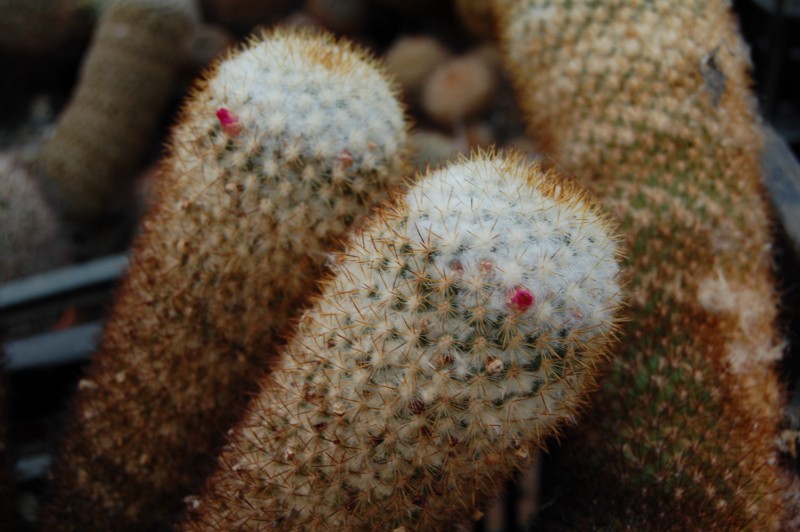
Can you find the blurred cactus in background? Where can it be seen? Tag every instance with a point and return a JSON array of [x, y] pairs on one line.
[[126, 81], [30, 238], [649, 104], [281, 149]]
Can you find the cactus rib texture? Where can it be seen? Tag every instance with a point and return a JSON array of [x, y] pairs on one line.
[[462, 326], [125, 84], [649, 103], [284, 146]]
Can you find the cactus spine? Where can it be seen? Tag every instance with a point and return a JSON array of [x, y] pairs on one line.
[[286, 145], [125, 84], [30, 241], [461, 327], [649, 103]]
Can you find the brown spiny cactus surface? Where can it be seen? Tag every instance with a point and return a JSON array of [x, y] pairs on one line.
[[277, 153], [125, 84], [649, 103]]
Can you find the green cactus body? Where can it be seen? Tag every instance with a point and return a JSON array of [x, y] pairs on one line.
[[285, 146], [125, 84], [30, 241], [648, 102], [461, 326], [41, 26]]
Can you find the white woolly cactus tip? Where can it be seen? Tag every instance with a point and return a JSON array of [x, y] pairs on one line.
[[313, 114], [461, 326]]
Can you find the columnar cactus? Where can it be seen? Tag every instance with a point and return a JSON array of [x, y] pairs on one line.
[[462, 326], [30, 240], [648, 102], [278, 152], [125, 84]]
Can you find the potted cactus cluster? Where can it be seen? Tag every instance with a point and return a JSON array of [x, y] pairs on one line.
[[340, 317]]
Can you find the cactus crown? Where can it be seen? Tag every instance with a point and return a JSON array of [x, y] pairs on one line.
[[304, 116]]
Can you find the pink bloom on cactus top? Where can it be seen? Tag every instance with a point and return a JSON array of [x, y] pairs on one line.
[[230, 122], [521, 299]]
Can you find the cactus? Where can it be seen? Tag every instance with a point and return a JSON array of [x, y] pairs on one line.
[[30, 241], [460, 328], [412, 60], [126, 81], [285, 146], [648, 102], [459, 89], [41, 26]]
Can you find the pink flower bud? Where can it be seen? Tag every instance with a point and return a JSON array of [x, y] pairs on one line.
[[520, 299], [345, 159], [230, 122]]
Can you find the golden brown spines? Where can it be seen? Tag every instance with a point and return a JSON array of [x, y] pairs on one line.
[[649, 103], [281, 149], [125, 84]]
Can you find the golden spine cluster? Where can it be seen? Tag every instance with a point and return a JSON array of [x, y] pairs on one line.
[[649, 103]]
